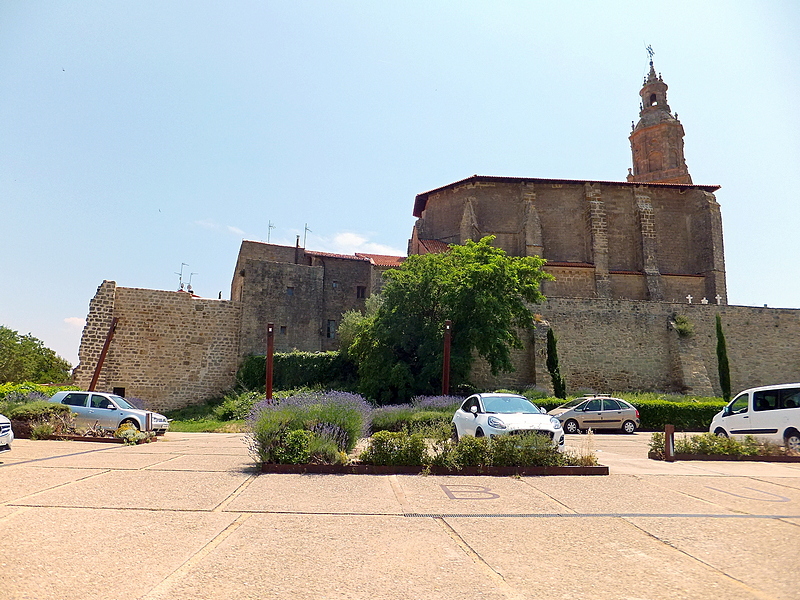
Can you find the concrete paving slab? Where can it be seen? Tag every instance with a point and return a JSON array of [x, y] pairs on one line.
[[738, 494], [105, 460], [332, 494], [334, 557], [173, 490], [781, 481], [598, 558], [25, 450], [618, 494], [20, 481], [206, 463], [475, 495], [760, 553], [75, 554], [744, 468]]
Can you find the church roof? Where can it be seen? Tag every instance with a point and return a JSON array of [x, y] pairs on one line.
[[422, 199], [434, 246]]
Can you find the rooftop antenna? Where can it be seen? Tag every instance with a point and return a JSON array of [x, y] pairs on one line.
[[189, 285], [305, 232], [180, 275], [270, 227]]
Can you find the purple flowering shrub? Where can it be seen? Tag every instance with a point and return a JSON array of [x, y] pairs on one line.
[[450, 403], [339, 417]]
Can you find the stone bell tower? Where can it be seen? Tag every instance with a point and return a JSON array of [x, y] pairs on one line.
[[657, 139]]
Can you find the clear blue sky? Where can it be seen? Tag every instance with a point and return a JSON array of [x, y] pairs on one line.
[[139, 135]]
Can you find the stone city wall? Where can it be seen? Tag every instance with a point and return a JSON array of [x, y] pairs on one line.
[[620, 345], [170, 349]]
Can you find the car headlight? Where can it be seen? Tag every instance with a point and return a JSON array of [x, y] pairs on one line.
[[496, 423], [555, 422]]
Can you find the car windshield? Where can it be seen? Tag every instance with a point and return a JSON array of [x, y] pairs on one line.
[[506, 405], [573, 403], [122, 403]]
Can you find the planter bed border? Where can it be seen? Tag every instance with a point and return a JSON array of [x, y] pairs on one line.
[[81, 438], [416, 470], [729, 457]]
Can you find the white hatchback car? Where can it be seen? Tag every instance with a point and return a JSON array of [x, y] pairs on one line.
[[770, 413], [109, 411], [496, 414]]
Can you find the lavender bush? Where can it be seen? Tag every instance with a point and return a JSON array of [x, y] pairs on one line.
[[340, 417]]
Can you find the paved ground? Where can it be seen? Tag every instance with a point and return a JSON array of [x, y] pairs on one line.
[[188, 518]]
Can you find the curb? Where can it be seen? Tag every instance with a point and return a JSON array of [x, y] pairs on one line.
[[417, 470], [729, 457]]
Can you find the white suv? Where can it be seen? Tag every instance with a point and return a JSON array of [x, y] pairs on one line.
[[109, 411], [770, 413]]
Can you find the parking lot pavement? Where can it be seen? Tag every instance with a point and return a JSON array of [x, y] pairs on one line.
[[189, 517]]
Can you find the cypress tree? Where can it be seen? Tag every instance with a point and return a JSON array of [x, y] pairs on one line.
[[722, 362], [559, 385]]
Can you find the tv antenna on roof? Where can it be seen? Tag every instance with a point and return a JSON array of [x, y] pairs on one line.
[[180, 276], [270, 227], [189, 285], [305, 232]]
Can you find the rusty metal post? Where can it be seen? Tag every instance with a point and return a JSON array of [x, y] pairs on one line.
[[448, 325], [669, 443], [103, 353], [270, 352]]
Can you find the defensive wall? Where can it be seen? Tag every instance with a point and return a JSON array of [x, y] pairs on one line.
[[621, 345], [170, 349]]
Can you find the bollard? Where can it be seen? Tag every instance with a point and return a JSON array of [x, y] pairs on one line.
[[669, 443]]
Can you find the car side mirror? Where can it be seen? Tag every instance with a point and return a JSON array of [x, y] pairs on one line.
[[542, 410], [474, 410]]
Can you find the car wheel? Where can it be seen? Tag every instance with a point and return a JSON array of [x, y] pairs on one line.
[[720, 432], [628, 427], [479, 432], [792, 442], [453, 432], [571, 426], [130, 422]]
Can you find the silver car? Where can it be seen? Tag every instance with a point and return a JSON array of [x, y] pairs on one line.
[[109, 411], [6, 434], [597, 412]]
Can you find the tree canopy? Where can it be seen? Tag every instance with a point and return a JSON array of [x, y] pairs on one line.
[[25, 358], [483, 291]]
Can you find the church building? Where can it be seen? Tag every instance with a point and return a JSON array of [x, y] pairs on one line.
[[629, 258]]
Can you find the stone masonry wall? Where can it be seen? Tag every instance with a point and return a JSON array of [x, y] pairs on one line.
[[620, 345], [170, 349]]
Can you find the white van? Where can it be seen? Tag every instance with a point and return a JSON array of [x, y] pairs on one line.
[[770, 413]]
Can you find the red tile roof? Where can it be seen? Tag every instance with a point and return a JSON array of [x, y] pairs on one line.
[[333, 255], [434, 246], [383, 260]]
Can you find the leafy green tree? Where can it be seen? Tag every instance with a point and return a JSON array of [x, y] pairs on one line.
[[722, 361], [25, 358], [483, 291], [559, 385]]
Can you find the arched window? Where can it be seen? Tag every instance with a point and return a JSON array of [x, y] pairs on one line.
[[653, 100]]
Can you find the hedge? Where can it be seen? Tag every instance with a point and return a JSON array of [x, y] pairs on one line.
[[330, 370]]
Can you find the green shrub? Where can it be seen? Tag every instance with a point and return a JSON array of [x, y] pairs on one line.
[[41, 429], [471, 452], [236, 406], [40, 410], [20, 391], [708, 443], [330, 370], [525, 451], [683, 326], [325, 451], [396, 448], [657, 441], [295, 448]]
